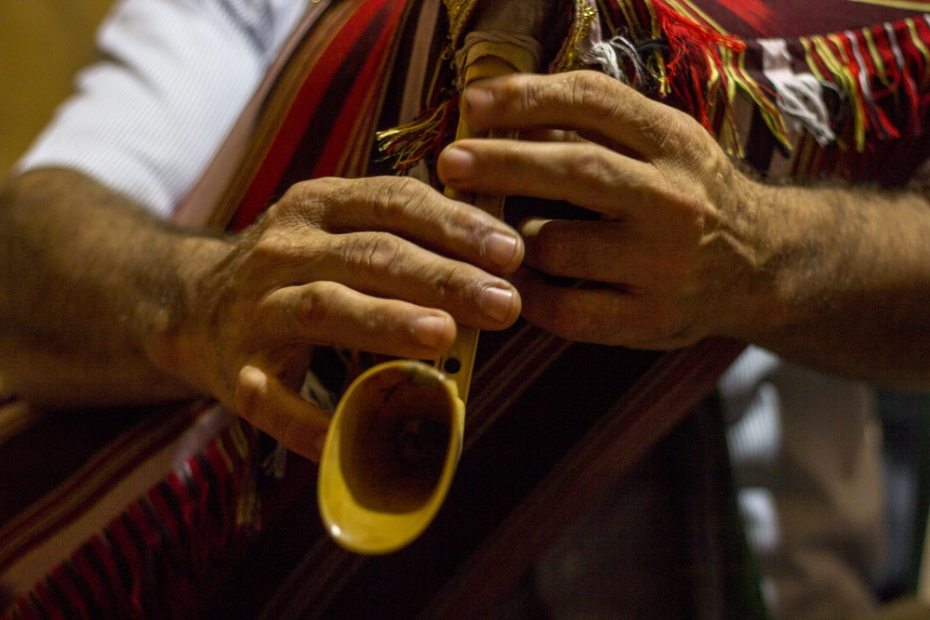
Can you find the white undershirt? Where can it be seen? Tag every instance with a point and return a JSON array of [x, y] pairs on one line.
[[149, 116]]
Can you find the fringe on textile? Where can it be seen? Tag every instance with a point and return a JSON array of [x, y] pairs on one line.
[[153, 560], [851, 90]]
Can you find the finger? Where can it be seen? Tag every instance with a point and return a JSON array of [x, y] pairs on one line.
[[386, 266], [327, 313], [601, 315], [414, 211], [602, 108], [584, 174], [271, 407], [551, 135], [603, 252]]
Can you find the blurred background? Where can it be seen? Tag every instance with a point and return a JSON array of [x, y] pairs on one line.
[[42, 44]]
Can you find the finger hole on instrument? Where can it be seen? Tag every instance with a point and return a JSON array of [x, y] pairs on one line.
[[263, 401]]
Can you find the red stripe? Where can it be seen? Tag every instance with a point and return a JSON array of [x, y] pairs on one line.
[[122, 543], [94, 580], [305, 106], [130, 450], [754, 12], [73, 597], [360, 102]]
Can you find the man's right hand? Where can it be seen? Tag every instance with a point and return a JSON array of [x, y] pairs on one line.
[[386, 265]]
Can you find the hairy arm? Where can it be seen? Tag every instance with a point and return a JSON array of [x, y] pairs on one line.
[[689, 247], [102, 303], [851, 282], [86, 279]]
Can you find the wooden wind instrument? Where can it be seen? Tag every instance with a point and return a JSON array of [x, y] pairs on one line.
[[397, 433]]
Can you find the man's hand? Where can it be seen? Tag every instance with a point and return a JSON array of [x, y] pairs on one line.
[[685, 246], [103, 304], [672, 259], [385, 265]]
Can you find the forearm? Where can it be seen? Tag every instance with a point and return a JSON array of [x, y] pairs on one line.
[[850, 282], [86, 281]]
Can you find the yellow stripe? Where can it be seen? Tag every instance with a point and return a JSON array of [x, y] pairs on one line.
[[913, 5], [880, 68], [920, 45], [843, 70], [628, 15], [704, 16]]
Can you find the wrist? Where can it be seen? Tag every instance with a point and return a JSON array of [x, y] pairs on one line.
[[177, 340], [770, 232]]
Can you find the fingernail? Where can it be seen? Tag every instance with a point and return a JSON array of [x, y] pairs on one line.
[[475, 96], [497, 303], [457, 163], [253, 377], [430, 331], [501, 249]]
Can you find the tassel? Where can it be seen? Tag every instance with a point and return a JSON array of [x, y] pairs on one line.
[[800, 95], [693, 49], [248, 509], [424, 138], [905, 79]]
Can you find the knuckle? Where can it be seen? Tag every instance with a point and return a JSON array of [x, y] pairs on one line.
[[314, 307], [677, 135], [375, 254], [658, 132], [565, 319], [309, 201], [448, 281], [590, 167], [591, 90], [391, 197]]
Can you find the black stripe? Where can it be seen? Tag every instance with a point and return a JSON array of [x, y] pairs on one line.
[[314, 140], [80, 584], [38, 606], [96, 564], [390, 112], [167, 543], [174, 506], [123, 566], [213, 498], [57, 594], [152, 569]]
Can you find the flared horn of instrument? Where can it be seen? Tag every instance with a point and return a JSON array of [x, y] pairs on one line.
[[397, 434], [390, 456]]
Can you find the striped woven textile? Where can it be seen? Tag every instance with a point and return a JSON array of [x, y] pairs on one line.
[[152, 517], [131, 529], [808, 106]]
